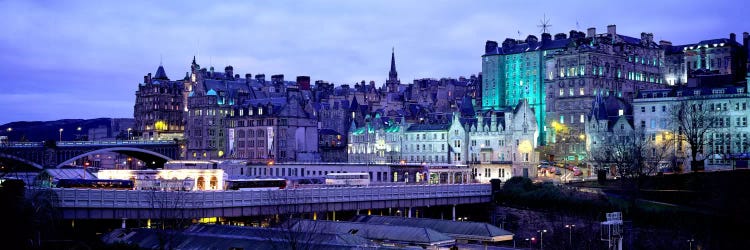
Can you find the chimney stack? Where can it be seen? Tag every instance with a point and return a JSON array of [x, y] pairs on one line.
[[490, 47], [149, 78], [612, 31], [228, 72], [303, 82], [665, 43], [546, 37], [261, 78], [733, 37], [591, 32], [277, 78]]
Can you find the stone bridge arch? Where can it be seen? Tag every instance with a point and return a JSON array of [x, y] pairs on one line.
[[22, 160], [141, 154]]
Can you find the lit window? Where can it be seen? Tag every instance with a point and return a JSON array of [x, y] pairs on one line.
[[621, 112], [562, 119], [581, 91], [582, 118]]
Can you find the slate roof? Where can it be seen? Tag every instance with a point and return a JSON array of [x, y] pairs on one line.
[[66, 173], [406, 234], [160, 74], [204, 236], [456, 229], [428, 127]]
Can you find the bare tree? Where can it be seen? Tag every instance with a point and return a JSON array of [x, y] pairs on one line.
[[634, 154], [168, 209], [696, 120]]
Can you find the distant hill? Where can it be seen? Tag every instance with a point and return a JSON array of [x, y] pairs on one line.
[[50, 130]]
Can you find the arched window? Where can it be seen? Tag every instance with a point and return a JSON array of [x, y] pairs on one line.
[[201, 183], [214, 184], [240, 133]]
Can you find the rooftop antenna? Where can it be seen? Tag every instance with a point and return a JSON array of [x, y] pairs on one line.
[[544, 24], [578, 27]]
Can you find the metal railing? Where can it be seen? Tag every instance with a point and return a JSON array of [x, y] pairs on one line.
[[102, 198], [21, 144], [117, 142]]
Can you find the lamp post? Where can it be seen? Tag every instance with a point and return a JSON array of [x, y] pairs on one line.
[[570, 233], [541, 238], [129, 129], [690, 243], [61, 130]]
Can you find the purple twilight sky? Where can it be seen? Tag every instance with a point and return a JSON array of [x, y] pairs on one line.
[[84, 59]]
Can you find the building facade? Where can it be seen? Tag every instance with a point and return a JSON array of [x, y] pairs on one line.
[[159, 108], [717, 99], [502, 143], [594, 65], [280, 129]]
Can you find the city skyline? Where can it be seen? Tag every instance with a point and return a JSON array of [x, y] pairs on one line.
[[78, 60]]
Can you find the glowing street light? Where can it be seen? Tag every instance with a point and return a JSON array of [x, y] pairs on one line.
[[570, 233], [541, 238], [61, 130], [129, 132]]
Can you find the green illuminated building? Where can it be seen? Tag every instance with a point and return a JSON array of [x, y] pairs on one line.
[[515, 71]]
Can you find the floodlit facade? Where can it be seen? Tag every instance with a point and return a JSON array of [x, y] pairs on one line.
[[169, 179], [502, 143]]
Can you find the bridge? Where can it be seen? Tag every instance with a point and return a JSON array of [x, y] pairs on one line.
[[55, 154], [140, 204]]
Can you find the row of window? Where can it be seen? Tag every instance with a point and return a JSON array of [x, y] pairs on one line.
[[251, 133]]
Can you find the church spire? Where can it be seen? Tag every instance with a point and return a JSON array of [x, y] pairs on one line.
[[393, 75], [392, 82]]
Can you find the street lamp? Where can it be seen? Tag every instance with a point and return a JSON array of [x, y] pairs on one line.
[[129, 132], [541, 238], [529, 241], [61, 130], [570, 233], [690, 243]]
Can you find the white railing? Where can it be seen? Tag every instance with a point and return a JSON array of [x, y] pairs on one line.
[[117, 142], [100, 198], [21, 144]]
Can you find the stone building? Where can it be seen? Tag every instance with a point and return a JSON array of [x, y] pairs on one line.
[[278, 129], [609, 122], [725, 56], [159, 107], [591, 66], [377, 141], [516, 70], [209, 105], [502, 143], [723, 102]]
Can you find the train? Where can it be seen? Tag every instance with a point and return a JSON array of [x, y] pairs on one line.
[[96, 184], [348, 179]]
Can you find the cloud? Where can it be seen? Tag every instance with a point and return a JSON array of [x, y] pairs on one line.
[[102, 49]]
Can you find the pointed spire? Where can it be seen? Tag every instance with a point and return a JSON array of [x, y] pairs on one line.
[[393, 75]]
